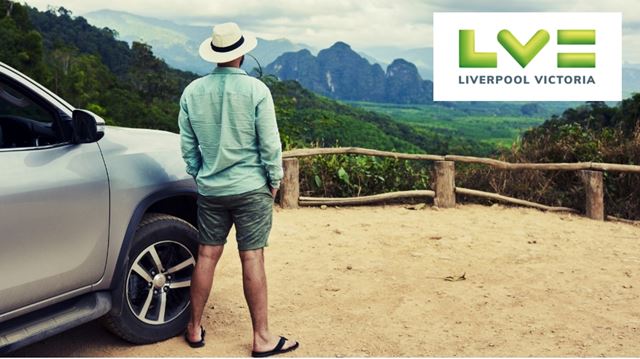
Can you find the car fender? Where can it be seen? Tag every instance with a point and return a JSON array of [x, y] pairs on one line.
[[146, 173]]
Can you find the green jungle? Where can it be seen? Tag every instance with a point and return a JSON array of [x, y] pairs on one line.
[[496, 124], [129, 86]]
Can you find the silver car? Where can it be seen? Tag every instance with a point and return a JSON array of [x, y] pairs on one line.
[[95, 222]]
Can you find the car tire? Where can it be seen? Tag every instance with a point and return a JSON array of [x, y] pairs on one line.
[[152, 301]]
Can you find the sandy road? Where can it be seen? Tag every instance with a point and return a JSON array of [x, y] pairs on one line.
[[369, 281]]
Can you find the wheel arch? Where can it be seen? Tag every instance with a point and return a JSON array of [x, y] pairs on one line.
[[181, 204]]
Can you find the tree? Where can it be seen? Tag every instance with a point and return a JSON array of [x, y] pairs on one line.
[[21, 45]]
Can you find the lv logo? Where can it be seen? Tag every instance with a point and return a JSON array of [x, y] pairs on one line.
[[524, 54]]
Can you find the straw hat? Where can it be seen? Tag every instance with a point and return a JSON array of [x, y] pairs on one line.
[[226, 43]]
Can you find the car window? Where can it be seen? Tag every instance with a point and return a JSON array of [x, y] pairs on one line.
[[13, 102], [23, 121]]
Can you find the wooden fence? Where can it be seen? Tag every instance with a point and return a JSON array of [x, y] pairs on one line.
[[444, 193]]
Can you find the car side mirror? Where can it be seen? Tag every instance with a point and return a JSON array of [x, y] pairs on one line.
[[87, 126]]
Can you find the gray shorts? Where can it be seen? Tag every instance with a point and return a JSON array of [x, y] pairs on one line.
[[251, 212]]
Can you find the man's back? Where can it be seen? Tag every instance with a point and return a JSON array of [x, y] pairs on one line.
[[230, 137]]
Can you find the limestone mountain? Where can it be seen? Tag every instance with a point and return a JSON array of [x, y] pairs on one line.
[[341, 73], [422, 57], [404, 85]]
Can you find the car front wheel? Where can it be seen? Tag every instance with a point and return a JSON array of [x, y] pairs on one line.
[[152, 300]]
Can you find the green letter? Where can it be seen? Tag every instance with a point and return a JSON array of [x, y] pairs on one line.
[[576, 59], [467, 55], [576, 37], [523, 54]]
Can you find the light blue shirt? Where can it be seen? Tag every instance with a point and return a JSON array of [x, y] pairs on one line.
[[229, 134]]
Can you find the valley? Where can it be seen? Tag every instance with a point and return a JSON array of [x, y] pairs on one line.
[[493, 124]]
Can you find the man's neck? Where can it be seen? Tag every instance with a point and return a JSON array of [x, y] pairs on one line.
[[233, 63]]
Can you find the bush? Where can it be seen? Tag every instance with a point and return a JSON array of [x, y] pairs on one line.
[[351, 175]]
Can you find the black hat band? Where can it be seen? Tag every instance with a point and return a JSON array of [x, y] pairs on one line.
[[229, 48]]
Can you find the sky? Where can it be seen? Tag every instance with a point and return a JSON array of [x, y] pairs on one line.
[[361, 23]]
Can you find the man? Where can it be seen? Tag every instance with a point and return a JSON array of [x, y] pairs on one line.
[[231, 145]]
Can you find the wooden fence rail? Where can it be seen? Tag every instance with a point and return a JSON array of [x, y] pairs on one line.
[[444, 193], [598, 166]]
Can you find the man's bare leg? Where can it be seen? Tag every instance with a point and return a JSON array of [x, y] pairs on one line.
[[254, 282], [201, 282]]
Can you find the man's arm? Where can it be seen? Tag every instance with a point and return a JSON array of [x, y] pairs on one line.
[[188, 141], [269, 141]]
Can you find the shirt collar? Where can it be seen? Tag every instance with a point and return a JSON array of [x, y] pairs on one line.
[[229, 70]]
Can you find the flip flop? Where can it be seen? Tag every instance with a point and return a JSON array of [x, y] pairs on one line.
[[277, 350], [198, 344]]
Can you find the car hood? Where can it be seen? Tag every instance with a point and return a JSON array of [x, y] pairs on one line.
[[142, 136], [143, 149]]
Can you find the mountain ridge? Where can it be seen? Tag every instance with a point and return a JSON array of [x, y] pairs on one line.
[[341, 73], [178, 44]]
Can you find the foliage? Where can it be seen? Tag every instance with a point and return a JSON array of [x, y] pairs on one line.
[[592, 132], [61, 29], [473, 128], [21, 44], [352, 176], [306, 118], [91, 69]]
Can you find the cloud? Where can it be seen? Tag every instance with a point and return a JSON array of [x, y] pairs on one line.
[[318, 22], [321, 23], [372, 23]]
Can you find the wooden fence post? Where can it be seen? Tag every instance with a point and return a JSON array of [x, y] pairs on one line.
[[594, 187], [290, 185], [445, 186]]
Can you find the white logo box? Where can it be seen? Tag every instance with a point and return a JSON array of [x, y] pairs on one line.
[[541, 79]]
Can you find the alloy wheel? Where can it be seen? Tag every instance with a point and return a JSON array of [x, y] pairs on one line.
[[159, 281]]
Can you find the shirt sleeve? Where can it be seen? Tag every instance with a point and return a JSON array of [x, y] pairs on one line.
[[269, 140], [188, 141]]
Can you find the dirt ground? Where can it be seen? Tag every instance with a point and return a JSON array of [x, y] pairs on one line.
[[370, 281]]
